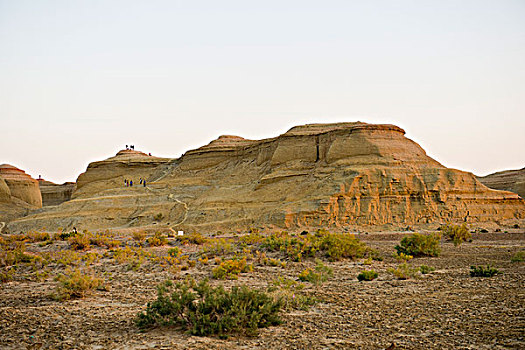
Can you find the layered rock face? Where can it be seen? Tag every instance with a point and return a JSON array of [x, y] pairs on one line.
[[21, 185], [509, 180], [18, 193], [344, 175], [53, 194]]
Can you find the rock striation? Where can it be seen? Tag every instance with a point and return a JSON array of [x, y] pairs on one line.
[[344, 176], [508, 180], [54, 194], [19, 193]]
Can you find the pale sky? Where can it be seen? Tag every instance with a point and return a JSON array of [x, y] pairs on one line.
[[80, 79]]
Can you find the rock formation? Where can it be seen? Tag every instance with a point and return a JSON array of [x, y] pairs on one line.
[[18, 193], [509, 180], [343, 176], [53, 194]]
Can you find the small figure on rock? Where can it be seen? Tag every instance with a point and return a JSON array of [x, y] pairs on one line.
[[130, 183], [127, 147], [144, 183]]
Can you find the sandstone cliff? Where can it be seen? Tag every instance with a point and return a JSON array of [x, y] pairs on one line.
[[19, 193], [509, 180], [54, 194], [343, 175]]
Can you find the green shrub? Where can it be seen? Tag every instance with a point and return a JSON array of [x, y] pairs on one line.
[[424, 269], [174, 252], [76, 284], [404, 271], [419, 245], [339, 246], [518, 257], [204, 310], [457, 233], [367, 275], [231, 269], [158, 217], [334, 246], [321, 273], [293, 247], [480, 271]]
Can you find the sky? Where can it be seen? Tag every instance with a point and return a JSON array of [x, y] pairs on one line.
[[81, 79]]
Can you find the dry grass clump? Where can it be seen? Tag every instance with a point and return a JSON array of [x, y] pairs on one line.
[[76, 284], [231, 269]]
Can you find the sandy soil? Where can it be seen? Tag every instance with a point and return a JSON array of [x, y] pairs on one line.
[[446, 309]]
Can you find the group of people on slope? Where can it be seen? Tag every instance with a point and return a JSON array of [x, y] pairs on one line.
[[129, 183]]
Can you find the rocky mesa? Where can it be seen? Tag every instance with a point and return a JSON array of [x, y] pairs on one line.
[[344, 176]]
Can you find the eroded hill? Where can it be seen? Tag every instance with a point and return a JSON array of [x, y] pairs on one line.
[[343, 175]]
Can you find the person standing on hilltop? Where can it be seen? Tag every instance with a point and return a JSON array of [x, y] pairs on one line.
[[144, 183], [130, 183]]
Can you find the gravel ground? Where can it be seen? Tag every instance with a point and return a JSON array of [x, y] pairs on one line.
[[446, 309]]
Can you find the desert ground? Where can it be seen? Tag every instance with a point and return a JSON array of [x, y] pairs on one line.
[[442, 309]]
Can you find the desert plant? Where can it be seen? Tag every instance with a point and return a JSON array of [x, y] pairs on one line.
[[367, 275], [193, 238], [424, 269], [158, 217], [79, 241], [175, 252], [457, 233], [76, 284], [480, 271], [231, 269], [289, 292], [157, 240], [404, 271], [402, 257], [205, 310], [518, 257], [419, 245], [139, 236], [321, 273], [339, 246]]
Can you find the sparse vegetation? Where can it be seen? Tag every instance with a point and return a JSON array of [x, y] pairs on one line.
[[231, 269], [424, 269], [79, 242], [518, 257], [204, 310], [457, 233], [157, 240], [192, 238], [333, 246], [321, 273], [404, 271], [76, 284], [419, 245], [367, 275], [289, 292], [480, 271]]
